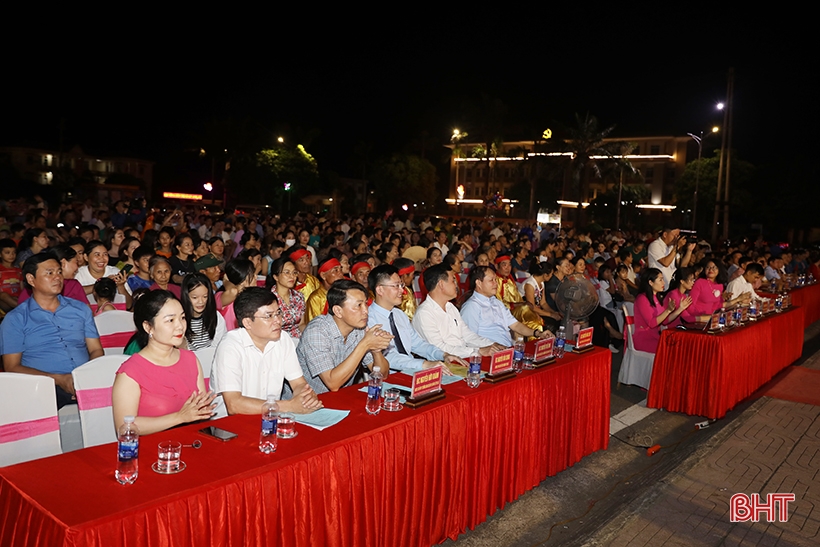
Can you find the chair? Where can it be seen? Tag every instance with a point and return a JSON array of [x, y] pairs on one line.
[[206, 359], [93, 382], [115, 328], [636, 367], [29, 426]]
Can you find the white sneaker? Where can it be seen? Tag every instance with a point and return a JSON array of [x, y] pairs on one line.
[[613, 349]]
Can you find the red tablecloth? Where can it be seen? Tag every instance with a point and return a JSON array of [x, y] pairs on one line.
[[708, 374], [415, 477]]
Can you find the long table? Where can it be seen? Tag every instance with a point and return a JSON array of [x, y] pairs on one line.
[[415, 477], [808, 298], [708, 374]]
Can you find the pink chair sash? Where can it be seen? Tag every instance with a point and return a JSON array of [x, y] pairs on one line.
[[120, 306], [89, 399], [26, 430], [116, 340]]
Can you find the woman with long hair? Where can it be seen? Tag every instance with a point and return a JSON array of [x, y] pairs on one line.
[[162, 385], [114, 238], [240, 272], [34, 241], [205, 325], [281, 282], [679, 288], [650, 313], [182, 263]]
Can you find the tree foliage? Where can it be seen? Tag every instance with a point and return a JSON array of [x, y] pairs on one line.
[[740, 198], [403, 178]]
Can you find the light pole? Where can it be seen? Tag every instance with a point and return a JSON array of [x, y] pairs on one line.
[[725, 159], [699, 140], [455, 139]]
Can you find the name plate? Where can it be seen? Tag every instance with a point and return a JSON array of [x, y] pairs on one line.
[[501, 362], [425, 382], [714, 322], [584, 338], [543, 350], [744, 314]]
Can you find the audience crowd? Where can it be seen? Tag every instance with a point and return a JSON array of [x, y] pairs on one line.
[[299, 306]]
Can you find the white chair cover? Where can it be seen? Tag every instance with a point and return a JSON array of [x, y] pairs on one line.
[[206, 359], [93, 382], [636, 367], [29, 426], [115, 328]]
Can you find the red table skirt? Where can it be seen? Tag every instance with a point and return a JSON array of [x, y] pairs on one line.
[[415, 477], [708, 374], [808, 298]]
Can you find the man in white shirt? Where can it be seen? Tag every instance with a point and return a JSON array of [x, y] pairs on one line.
[[663, 251], [439, 322], [441, 243], [254, 360], [745, 283]]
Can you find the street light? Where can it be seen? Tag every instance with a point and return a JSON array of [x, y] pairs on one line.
[[699, 140], [280, 140]]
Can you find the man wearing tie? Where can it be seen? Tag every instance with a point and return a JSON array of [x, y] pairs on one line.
[[388, 288]]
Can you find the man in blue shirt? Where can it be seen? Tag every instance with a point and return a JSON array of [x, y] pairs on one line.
[[48, 334], [486, 315], [385, 283]]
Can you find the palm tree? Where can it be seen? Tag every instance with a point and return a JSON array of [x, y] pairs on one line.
[[589, 153]]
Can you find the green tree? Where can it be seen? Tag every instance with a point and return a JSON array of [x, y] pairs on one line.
[[403, 178], [741, 199]]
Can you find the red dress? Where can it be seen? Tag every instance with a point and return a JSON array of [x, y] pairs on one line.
[[163, 390]]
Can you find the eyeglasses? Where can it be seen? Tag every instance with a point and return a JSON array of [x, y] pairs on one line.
[[269, 316], [399, 286]]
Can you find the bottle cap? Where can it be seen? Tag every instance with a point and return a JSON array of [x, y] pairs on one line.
[[377, 369], [271, 399], [128, 419]]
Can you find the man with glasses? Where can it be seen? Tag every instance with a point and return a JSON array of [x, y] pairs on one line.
[[255, 359], [388, 287], [438, 321]]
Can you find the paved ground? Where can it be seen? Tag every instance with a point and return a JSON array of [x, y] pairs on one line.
[[680, 497]]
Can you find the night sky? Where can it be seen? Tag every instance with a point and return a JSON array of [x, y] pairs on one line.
[[146, 90]]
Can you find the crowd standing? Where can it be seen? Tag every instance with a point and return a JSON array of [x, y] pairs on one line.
[[296, 307]]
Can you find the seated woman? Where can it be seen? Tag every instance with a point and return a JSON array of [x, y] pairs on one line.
[[281, 282], [206, 326], [162, 386], [650, 313], [160, 270], [537, 314], [708, 295], [241, 274], [679, 288]]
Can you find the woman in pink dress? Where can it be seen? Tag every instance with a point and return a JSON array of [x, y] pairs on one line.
[[650, 313], [679, 289], [708, 295], [162, 386]]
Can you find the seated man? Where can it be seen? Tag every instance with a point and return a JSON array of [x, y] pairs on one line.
[[486, 315], [330, 270], [335, 347], [253, 360], [438, 321], [48, 334], [306, 283], [507, 291], [388, 287], [745, 283]]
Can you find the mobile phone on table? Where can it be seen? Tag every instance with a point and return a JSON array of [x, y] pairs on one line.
[[218, 433]]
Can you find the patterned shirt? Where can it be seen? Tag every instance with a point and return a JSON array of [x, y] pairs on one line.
[[322, 347], [292, 313]]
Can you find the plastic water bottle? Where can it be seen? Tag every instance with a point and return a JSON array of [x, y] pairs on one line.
[[738, 316], [753, 310], [518, 355], [474, 371], [128, 448], [374, 392], [722, 319], [560, 341], [270, 419], [778, 303]]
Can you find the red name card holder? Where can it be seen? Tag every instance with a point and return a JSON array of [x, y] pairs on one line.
[[426, 388], [543, 354], [501, 367], [584, 342]]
